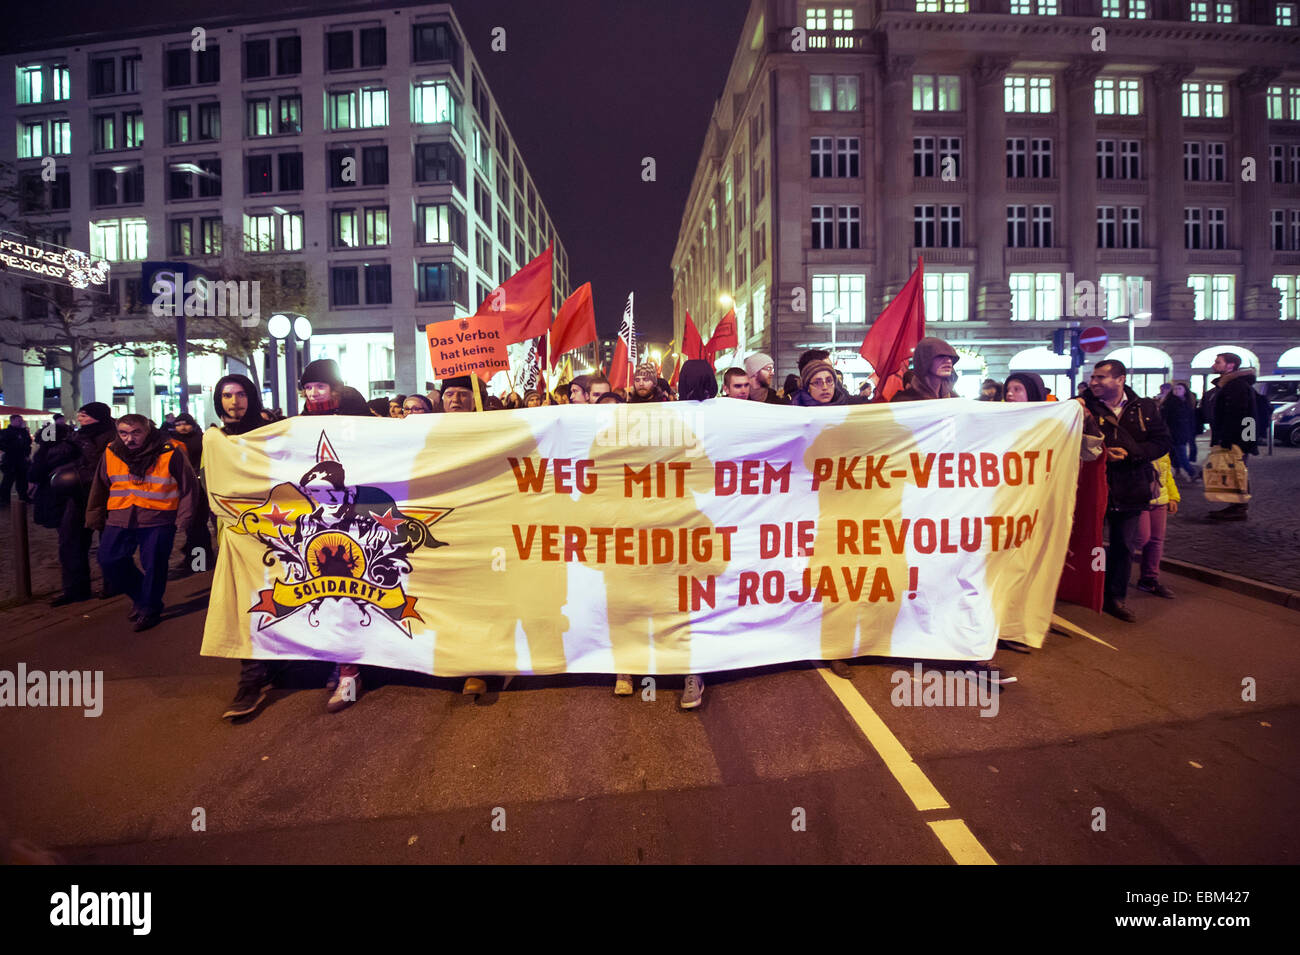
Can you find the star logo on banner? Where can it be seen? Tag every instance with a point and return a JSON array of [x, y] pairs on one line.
[[277, 517], [388, 521]]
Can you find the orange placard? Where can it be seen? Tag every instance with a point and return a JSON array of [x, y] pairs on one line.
[[468, 346]]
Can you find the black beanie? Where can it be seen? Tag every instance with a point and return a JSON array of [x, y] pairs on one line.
[[99, 411], [322, 370]]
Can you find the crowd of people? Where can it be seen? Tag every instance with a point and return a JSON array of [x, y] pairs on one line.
[[137, 483]]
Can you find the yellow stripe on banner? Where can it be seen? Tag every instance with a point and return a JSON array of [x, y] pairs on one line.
[[960, 842], [955, 836], [914, 782]]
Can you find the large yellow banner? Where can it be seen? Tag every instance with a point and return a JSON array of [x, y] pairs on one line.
[[659, 538]]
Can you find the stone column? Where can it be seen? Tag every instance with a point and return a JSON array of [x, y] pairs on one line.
[[1259, 299], [1173, 299], [992, 294], [896, 175], [1080, 171]]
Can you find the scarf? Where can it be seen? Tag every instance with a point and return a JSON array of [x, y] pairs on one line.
[[329, 406], [139, 461]]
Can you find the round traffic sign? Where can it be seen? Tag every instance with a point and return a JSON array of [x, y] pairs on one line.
[[1093, 339]]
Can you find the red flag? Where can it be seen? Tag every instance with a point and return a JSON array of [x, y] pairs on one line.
[[575, 323], [523, 301], [620, 371], [692, 343], [724, 336], [895, 333]]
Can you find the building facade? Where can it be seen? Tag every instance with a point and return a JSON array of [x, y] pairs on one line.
[[361, 150], [1052, 161]]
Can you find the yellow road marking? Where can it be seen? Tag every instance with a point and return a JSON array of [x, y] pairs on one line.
[[1068, 627], [960, 842]]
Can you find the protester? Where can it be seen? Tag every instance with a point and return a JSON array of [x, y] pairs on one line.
[[1230, 412], [668, 390], [197, 535], [598, 385], [579, 390], [812, 354], [458, 393], [1028, 386], [144, 488], [760, 369], [1151, 529], [932, 364], [611, 398], [789, 387], [1179, 411], [821, 386], [416, 404], [16, 445], [645, 384], [735, 383], [992, 391], [533, 399], [493, 403], [47, 503], [1135, 437], [239, 406], [394, 403], [378, 407], [864, 391], [513, 401]]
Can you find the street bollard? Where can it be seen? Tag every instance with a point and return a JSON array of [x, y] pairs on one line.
[[22, 556]]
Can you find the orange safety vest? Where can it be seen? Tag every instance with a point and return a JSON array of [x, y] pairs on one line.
[[157, 491]]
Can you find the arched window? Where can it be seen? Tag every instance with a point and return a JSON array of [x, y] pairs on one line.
[[1148, 368], [1054, 369]]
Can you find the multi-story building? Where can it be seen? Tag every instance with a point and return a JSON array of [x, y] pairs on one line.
[[361, 148], [1051, 160]]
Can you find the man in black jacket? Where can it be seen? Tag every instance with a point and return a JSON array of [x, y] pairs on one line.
[[16, 446], [1135, 436], [1230, 413]]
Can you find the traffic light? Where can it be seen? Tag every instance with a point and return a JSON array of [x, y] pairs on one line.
[[1065, 341]]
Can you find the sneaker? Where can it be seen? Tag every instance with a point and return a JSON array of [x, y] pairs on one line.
[[134, 615], [1116, 609], [841, 669], [991, 672], [693, 694], [623, 684], [1155, 587], [247, 699], [345, 694], [474, 686], [147, 621]]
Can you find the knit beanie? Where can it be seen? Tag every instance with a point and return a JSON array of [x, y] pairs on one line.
[[755, 362], [812, 368]]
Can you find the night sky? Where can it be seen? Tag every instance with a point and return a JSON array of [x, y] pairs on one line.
[[587, 88]]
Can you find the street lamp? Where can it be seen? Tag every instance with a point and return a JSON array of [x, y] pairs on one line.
[[1136, 320], [726, 300], [279, 326]]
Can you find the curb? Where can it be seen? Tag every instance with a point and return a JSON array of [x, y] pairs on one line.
[[1244, 585]]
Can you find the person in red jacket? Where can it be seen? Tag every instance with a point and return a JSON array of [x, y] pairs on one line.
[[143, 489]]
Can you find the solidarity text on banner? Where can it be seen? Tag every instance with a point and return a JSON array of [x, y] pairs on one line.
[[680, 537]]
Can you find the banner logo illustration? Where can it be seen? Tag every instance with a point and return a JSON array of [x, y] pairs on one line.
[[335, 541]]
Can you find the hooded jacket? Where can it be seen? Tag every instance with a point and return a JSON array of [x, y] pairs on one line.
[[697, 381], [1141, 432], [927, 350], [1034, 387], [252, 417]]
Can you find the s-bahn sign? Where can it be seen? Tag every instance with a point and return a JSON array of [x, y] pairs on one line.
[[53, 263]]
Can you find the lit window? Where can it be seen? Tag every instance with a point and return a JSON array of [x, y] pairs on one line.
[[1289, 287], [942, 6], [842, 18], [31, 140], [1225, 12], [846, 93], [1213, 297], [374, 108], [30, 84], [434, 103], [820, 86], [936, 93], [340, 111], [1028, 94], [61, 82], [291, 231], [259, 233], [60, 137], [1284, 14], [947, 296], [1202, 99], [1035, 296], [815, 19], [840, 299], [1200, 11]]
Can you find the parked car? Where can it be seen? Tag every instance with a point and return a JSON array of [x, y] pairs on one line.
[[1286, 424], [1279, 389]]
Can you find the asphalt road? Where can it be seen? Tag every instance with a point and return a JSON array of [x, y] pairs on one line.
[[1149, 726]]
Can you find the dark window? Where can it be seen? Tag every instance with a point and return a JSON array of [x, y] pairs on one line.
[[374, 165], [102, 74], [335, 161], [209, 178], [180, 184], [435, 41], [290, 114], [257, 59], [211, 229], [133, 184], [209, 64], [343, 286], [131, 74], [288, 55], [374, 47], [31, 190], [440, 162], [209, 121], [443, 282], [259, 174], [177, 68], [379, 284], [61, 194], [178, 124], [104, 186], [290, 171], [338, 50]]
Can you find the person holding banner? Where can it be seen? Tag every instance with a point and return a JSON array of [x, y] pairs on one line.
[[760, 368], [932, 365], [645, 384], [416, 404]]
